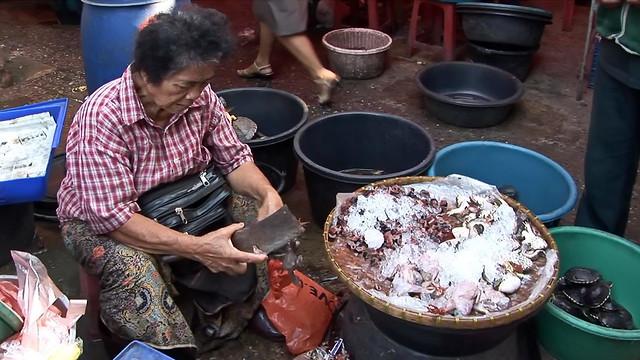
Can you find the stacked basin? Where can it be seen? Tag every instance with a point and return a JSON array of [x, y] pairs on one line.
[[502, 35]]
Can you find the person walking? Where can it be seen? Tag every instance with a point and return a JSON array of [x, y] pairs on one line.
[[286, 21]]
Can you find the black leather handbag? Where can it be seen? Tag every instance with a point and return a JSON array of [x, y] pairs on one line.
[[189, 205]]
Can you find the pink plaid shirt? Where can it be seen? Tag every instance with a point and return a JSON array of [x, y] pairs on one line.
[[115, 153]]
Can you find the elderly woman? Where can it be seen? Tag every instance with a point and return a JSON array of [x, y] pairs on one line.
[[157, 123]]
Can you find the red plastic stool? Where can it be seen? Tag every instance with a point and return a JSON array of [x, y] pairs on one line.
[[90, 289], [339, 10], [448, 8]]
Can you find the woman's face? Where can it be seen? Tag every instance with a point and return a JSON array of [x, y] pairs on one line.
[[180, 89]]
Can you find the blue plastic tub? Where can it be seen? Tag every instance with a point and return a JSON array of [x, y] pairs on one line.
[[33, 189], [108, 31], [137, 350], [543, 186]]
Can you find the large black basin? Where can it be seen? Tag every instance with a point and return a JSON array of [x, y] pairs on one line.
[[440, 341], [358, 140], [279, 116], [513, 59], [469, 94], [503, 24]]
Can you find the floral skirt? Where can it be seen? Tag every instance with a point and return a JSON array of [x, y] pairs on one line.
[[138, 303]]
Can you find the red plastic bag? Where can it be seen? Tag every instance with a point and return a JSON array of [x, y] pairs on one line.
[[301, 314]]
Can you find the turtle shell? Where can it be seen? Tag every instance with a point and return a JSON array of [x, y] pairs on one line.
[[620, 319], [597, 294], [562, 283], [611, 305], [245, 128], [576, 294], [591, 315], [582, 276], [565, 304]]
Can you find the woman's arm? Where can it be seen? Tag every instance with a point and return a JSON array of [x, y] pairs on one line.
[[248, 180], [214, 250]]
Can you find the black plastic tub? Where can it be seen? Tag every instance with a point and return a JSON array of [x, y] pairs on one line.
[[279, 116], [332, 144], [503, 24], [469, 94], [514, 59]]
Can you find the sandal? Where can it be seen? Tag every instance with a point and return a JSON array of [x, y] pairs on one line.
[[254, 70], [326, 89]]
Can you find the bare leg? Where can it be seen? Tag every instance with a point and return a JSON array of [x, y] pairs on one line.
[[266, 44], [261, 65], [300, 46]]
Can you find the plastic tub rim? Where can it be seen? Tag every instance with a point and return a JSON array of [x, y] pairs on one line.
[[107, 3], [361, 179], [512, 100], [340, 50], [545, 217], [505, 9], [615, 334], [489, 51], [283, 136]]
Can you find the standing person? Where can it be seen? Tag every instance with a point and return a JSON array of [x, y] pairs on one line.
[[613, 149], [158, 122], [286, 20]]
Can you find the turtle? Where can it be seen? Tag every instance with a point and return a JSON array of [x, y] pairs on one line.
[[581, 276], [565, 304], [620, 319], [597, 294]]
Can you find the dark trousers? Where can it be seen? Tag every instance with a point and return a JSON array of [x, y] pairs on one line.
[[613, 151]]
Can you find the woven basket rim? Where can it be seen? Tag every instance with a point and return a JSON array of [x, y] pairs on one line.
[[337, 49], [518, 312]]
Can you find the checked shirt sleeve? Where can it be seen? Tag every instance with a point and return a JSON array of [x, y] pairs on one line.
[[227, 150], [105, 182]]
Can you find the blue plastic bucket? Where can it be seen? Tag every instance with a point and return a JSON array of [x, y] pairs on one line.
[[108, 31], [543, 186], [139, 350]]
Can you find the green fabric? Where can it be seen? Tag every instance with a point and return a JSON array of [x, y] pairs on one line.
[[621, 24]]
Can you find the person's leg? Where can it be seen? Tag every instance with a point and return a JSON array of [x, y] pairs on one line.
[[261, 66], [266, 45], [300, 46], [611, 161], [134, 300]]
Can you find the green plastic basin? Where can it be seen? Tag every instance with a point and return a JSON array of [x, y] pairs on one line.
[[10, 321], [568, 338]]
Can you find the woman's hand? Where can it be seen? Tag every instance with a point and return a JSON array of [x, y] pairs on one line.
[[215, 251], [269, 204]]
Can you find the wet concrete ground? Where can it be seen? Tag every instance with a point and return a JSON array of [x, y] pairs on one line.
[[47, 61]]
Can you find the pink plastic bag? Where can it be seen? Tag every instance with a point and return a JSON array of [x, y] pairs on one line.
[[49, 316]]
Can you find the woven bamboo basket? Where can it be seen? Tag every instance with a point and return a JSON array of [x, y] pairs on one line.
[[515, 313]]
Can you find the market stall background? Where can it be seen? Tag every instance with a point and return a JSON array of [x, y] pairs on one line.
[[44, 59]]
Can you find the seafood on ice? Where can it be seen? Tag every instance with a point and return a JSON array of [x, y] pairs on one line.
[[452, 246]]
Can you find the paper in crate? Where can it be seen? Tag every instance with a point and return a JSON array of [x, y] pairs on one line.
[[28, 137]]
